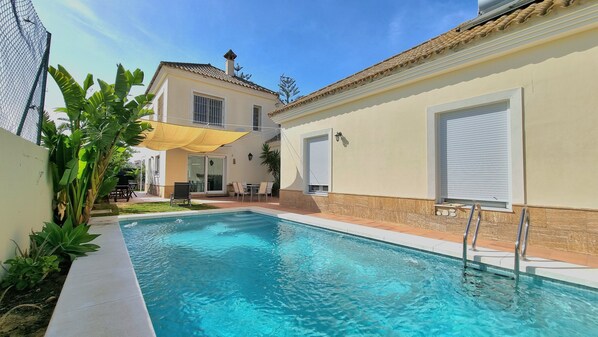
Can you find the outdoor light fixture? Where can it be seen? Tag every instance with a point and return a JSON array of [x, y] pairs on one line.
[[211, 162], [338, 136], [249, 156]]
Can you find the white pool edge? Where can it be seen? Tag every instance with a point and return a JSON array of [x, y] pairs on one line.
[[134, 319], [101, 295]]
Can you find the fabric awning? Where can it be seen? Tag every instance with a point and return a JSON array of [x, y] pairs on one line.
[[166, 136]]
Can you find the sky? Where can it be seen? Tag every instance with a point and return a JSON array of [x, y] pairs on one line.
[[315, 42]]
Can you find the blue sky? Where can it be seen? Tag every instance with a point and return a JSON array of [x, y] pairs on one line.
[[315, 42]]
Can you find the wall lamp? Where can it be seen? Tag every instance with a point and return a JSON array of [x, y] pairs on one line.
[[249, 156], [338, 136]]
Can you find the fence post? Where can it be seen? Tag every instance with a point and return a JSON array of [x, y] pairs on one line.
[[42, 103], [28, 105]]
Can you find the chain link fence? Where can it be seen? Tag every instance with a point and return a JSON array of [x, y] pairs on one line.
[[24, 54]]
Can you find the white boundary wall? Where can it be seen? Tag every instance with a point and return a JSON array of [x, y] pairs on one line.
[[25, 191]]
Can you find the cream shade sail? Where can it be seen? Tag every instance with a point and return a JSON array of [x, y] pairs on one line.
[[166, 136]]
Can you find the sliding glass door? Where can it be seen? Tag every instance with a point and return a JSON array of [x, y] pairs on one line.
[[215, 174], [206, 174], [197, 171]]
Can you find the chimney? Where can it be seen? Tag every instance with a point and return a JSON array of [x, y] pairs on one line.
[[230, 57]]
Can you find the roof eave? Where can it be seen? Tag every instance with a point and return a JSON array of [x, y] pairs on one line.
[[485, 50]]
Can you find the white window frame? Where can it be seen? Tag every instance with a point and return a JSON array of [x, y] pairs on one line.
[[257, 127], [304, 151], [207, 157], [208, 96], [514, 100]]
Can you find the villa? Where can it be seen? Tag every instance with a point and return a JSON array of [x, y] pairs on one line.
[[500, 111], [382, 174], [206, 97]]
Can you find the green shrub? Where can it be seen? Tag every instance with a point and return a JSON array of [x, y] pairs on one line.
[[29, 268], [67, 242]]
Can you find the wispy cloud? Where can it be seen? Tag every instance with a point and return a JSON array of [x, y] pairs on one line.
[[130, 34], [396, 29]]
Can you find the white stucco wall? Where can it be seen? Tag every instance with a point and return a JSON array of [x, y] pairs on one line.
[[385, 152], [26, 198], [179, 88]]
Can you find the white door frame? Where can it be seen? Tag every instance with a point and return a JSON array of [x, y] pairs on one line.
[[207, 157]]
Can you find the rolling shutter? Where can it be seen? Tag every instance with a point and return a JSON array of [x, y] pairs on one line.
[[318, 152], [474, 155]]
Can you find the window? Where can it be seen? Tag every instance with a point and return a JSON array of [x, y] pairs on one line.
[[257, 118], [206, 174], [157, 166], [317, 165], [207, 110], [475, 150], [160, 108], [473, 154]]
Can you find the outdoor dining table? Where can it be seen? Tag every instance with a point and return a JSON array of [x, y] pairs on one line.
[[252, 189]]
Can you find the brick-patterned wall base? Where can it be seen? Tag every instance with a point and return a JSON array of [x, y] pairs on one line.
[[558, 228]]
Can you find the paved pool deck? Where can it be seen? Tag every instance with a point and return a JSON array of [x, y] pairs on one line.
[[101, 295]]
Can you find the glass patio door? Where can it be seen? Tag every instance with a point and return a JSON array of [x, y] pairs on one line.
[[215, 167], [206, 174], [196, 173]]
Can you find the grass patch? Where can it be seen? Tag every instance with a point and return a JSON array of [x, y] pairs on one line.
[[159, 207]]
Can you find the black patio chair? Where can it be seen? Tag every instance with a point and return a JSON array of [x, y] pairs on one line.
[[182, 191]]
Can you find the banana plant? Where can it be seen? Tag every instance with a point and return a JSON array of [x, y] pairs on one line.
[[99, 124]]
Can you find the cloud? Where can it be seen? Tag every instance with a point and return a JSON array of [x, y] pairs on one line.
[[396, 29]]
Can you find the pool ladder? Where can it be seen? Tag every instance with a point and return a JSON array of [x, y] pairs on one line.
[[474, 207], [521, 243]]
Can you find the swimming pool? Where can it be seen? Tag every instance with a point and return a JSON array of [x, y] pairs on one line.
[[247, 274]]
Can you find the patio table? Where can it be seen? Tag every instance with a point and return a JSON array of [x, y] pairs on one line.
[[253, 189]]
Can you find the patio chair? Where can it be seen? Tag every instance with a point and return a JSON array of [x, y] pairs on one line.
[[236, 189], [242, 192], [269, 189], [262, 190], [182, 191]]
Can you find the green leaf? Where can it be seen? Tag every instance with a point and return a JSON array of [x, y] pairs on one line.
[[107, 186], [88, 82], [137, 77], [70, 173], [121, 84]]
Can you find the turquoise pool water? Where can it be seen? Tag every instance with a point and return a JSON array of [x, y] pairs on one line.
[[246, 274]]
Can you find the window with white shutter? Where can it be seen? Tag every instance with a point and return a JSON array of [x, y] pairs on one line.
[[317, 164], [473, 155]]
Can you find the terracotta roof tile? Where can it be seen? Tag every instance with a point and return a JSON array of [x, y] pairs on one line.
[[438, 45], [210, 71]]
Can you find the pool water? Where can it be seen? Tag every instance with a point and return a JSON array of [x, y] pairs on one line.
[[247, 274]]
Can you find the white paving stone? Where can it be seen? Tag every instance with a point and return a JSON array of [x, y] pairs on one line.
[[101, 296]]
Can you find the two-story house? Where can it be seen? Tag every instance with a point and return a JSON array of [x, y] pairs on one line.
[[201, 95]]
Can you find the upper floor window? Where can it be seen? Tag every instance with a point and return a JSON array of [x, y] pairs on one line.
[[207, 110], [257, 118], [160, 108]]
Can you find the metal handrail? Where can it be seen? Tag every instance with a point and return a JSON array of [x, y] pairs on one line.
[[466, 233], [477, 228], [521, 250]]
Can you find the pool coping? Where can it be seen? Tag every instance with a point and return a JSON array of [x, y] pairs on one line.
[[90, 305]]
